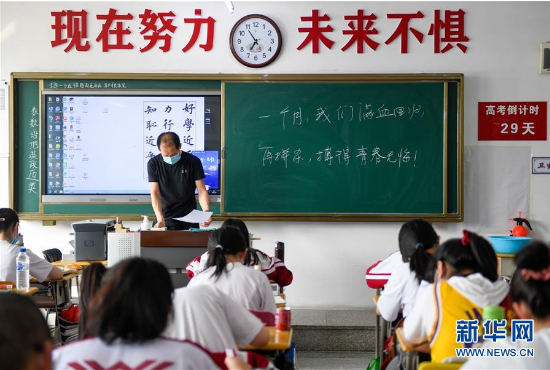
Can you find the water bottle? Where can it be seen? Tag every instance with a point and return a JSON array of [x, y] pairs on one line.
[[22, 270]]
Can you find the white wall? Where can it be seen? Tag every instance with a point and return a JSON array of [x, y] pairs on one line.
[[328, 259]]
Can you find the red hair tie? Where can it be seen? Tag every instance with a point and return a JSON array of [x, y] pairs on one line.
[[542, 275], [466, 238]]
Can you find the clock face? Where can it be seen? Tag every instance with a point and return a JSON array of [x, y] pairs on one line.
[[255, 40]]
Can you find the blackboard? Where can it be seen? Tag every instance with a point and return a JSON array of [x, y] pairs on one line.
[[317, 149], [337, 122]]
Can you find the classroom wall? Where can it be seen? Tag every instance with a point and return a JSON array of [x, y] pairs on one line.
[[328, 259]]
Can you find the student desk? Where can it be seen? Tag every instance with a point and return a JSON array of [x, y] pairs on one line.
[[279, 341], [79, 263], [58, 286], [61, 264], [32, 290], [175, 249]]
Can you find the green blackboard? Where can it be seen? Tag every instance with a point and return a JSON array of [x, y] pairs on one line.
[[295, 149], [315, 147]]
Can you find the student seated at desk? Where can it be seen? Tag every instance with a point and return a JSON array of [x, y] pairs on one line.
[[225, 271], [467, 281], [418, 241], [39, 268], [207, 316], [90, 284], [25, 341], [530, 293], [273, 267], [127, 317]]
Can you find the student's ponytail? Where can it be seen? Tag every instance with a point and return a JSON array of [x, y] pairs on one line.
[[472, 252], [416, 237], [226, 240], [484, 254], [422, 264], [251, 257], [531, 280]]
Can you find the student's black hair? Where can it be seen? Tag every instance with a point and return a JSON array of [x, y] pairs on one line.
[[23, 331], [90, 284], [415, 238], [133, 304], [251, 257], [8, 218], [227, 240], [174, 138], [530, 282], [471, 252]]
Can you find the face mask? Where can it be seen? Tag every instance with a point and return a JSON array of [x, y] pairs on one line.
[[172, 160], [16, 239]]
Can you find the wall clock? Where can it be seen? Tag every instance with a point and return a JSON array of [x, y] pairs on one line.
[[255, 40]]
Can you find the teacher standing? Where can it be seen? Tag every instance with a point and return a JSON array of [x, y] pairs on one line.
[[173, 177]]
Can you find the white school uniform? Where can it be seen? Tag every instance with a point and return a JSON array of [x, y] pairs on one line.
[[273, 267], [206, 316], [160, 353], [39, 268], [246, 286], [400, 291], [541, 359]]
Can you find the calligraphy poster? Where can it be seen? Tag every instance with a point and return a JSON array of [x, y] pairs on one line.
[[184, 116]]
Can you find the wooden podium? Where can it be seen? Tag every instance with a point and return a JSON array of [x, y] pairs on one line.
[[175, 249]]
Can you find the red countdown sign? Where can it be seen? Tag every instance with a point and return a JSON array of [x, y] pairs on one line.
[[518, 121]]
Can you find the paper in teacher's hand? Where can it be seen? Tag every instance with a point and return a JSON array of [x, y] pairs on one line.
[[195, 217]]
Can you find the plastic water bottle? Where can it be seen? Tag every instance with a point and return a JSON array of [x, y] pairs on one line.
[[22, 270]]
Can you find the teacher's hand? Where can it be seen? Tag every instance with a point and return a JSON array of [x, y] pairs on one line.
[[160, 224], [207, 222]]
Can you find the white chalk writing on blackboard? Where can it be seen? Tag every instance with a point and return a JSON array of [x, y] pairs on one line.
[[364, 156], [34, 146], [361, 112]]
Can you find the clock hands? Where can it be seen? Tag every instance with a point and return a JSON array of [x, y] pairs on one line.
[[255, 41]]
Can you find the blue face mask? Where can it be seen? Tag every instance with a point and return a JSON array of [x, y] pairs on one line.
[[172, 160], [16, 239]]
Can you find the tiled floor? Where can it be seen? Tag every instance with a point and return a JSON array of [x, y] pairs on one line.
[[333, 360]]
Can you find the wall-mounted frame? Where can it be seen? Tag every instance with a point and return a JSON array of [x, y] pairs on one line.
[[540, 165]]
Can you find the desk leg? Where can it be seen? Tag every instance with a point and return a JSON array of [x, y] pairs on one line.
[[77, 286], [377, 337], [56, 313], [411, 360], [383, 336], [377, 330]]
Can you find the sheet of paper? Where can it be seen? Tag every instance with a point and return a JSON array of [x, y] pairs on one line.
[[195, 217]]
